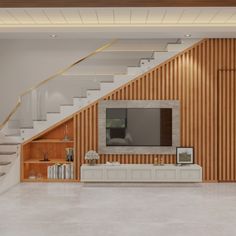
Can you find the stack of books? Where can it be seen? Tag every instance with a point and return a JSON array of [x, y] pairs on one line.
[[61, 171]]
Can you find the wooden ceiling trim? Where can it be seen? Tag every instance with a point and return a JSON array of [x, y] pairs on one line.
[[116, 3]]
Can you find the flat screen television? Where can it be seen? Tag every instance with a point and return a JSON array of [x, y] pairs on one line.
[[138, 127]]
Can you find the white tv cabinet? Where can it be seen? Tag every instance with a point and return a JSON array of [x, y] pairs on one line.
[[141, 173]]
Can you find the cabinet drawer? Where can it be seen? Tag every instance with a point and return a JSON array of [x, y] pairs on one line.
[[92, 175], [165, 175], [141, 174], [116, 174], [189, 174]]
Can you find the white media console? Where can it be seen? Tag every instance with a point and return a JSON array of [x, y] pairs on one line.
[[141, 173]]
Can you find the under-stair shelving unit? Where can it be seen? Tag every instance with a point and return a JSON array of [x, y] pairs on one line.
[[51, 145]]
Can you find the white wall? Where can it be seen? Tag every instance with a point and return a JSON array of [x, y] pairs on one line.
[[26, 62]]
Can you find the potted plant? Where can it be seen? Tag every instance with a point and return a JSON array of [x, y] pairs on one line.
[[91, 156]]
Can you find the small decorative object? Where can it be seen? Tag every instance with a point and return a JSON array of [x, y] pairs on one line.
[[184, 155], [91, 156], [155, 162], [45, 156], [39, 175], [162, 161], [113, 163], [32, 174], [66, 136], [69, 154]]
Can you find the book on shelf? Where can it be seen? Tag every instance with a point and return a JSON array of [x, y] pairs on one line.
[[61, 171]]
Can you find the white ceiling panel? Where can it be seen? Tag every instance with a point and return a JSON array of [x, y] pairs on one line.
[[21, 15], [138, 15], [223, 15], [55, 15], [7, 18], [172, 15], [232, 19], [105, 15], [118, 16], [206, 15], [189, 15], [71, 15], [38, 15], [89, 16], [155, 15], [122, 15]]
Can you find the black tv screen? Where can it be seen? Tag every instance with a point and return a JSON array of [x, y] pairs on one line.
[[139, 127]]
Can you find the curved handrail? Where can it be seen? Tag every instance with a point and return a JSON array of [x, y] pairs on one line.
[[53, 77]]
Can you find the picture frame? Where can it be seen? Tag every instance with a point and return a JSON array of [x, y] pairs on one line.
[[184, 155]]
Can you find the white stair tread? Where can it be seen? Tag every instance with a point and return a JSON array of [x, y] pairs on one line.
[[5, 163], [7, 153], [2, 174]]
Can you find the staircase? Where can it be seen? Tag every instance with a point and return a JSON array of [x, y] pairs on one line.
[[9, 165], [110, 70]]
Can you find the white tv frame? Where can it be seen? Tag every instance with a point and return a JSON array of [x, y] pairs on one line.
[[103, 105]]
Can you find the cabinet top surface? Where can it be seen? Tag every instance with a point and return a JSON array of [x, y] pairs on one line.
[[142, 166]]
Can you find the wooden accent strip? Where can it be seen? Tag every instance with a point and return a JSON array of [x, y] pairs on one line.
[[116, 3], [227, 117]]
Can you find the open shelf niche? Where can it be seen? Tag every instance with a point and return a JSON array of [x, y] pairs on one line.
[[45, 157]]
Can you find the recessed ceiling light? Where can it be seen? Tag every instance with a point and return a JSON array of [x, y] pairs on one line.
[[188, 35], [53, 35]]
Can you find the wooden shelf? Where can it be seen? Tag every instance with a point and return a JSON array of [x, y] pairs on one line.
[[52, 144], [50, 180], [53, 161], [52, 141]]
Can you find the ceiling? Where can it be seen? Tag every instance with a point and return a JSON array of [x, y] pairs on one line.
[[118, 16], [119, 22]]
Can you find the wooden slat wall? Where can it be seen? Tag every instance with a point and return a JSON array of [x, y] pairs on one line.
[[192, 78], [227, 125]]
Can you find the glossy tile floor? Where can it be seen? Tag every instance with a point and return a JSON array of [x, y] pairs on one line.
[[124, 210]]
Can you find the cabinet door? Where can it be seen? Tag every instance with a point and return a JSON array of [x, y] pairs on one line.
[[165, 175], [141, 174], [115, 174], [91, 174], [189, 175], [227, 126]]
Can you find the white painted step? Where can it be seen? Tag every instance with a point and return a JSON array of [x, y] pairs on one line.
[[11, 139], [134, 70], [8, 157], [4, 168], [92, 95], [9, 148], [107, 86], [12, 177], [80, 101], [146, 62], [178, 47]]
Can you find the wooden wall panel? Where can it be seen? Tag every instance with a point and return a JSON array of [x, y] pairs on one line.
[[227, 123], [192, 78]]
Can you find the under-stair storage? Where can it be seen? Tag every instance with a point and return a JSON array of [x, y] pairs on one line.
[[51, 156]]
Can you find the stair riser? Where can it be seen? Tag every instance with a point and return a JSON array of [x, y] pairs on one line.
[[5, 169], [11, 140], [9, 148], [107, 87], [8, 157], [79, 101], [133, 70]]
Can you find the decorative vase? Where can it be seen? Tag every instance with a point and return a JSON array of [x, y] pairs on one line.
[[92, 162]]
